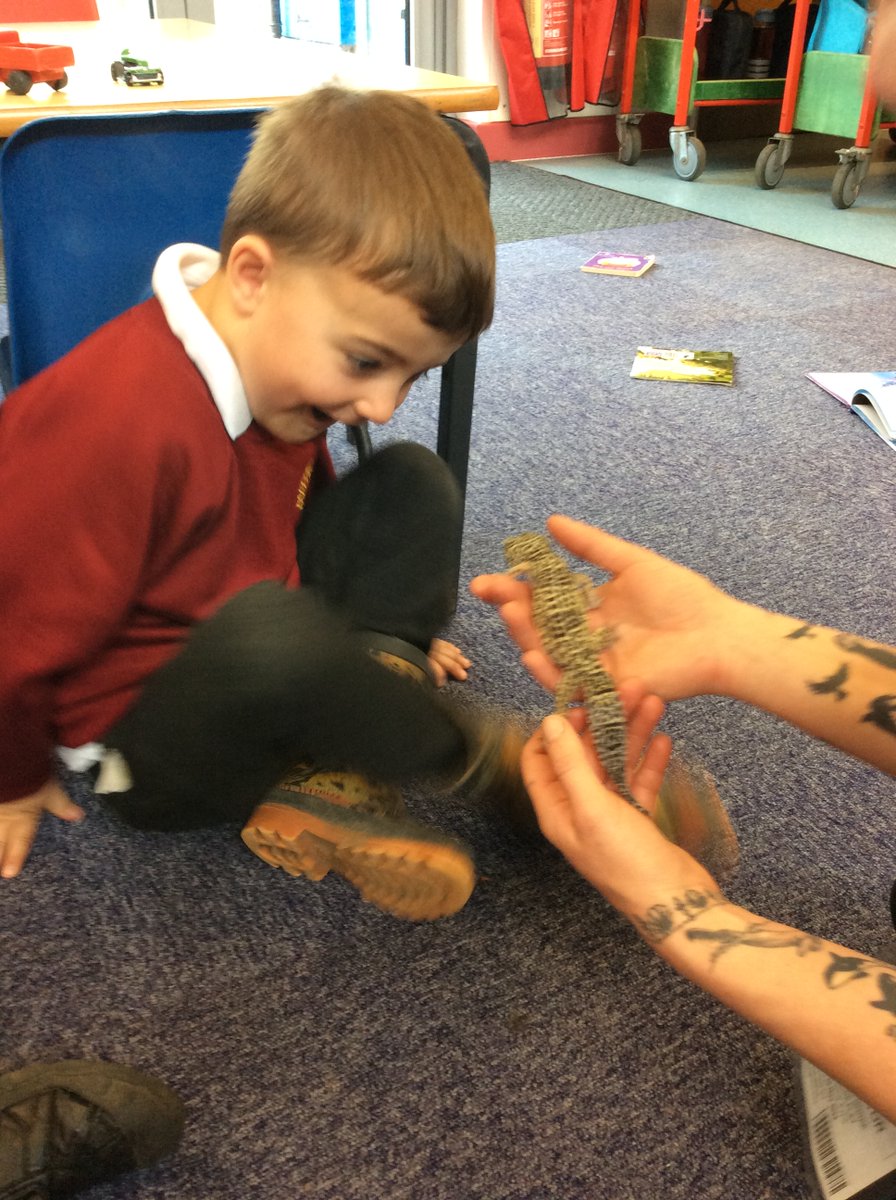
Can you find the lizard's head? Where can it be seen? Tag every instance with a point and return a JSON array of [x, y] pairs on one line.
[[524, 547]]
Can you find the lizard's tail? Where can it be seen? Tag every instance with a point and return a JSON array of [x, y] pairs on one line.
[[690, 813]]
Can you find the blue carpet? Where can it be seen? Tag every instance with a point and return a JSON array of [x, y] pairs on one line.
[[529, 1048]]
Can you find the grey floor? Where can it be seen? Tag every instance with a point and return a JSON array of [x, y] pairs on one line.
[[800, 207]]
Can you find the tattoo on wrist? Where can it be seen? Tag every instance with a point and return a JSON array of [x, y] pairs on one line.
[[881, 710], [847, 968], [842, 969], [882, 713], [662, 920], [882, 655], [887, 1001], [801, 632], [833, 685], [758, 934]]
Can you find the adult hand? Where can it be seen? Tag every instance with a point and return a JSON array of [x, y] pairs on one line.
[[616, 848], [19, 820], [672, 625]]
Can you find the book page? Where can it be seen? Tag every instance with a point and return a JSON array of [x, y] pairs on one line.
[[851, 1147], [880, 391]]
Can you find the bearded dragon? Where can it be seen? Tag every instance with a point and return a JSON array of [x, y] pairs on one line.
[[561, 601]]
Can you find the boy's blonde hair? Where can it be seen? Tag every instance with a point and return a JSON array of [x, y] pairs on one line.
[[375, 182]]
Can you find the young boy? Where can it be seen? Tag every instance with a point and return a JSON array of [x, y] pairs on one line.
[[155, 482]]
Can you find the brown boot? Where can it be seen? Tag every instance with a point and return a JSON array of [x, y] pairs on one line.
[[691, 814], [318, 821], [493, 778], [492, 774]]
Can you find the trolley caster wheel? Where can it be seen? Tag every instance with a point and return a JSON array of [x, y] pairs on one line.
[[845, 188], [694, 164], [769, 166], [630, 145]]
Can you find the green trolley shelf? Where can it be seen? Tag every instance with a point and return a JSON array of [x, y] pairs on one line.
[[822, 92], [834, 96], [661, 75]]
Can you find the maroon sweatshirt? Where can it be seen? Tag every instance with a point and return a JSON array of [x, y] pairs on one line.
[[128, 514]]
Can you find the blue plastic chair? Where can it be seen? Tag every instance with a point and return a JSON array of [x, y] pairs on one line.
[[88, 203]]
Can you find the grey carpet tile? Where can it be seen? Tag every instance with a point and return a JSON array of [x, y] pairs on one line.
[[527, 203]]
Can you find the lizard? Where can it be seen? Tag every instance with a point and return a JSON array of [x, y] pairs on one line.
[[561, 601]]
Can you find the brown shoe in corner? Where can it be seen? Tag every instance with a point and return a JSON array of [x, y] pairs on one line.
[[337, 821], [65, 1126]]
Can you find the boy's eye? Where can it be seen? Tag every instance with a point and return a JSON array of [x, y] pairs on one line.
[[362, 365]]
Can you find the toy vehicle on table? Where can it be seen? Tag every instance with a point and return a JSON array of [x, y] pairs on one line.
[[136, 72], [25, 63]]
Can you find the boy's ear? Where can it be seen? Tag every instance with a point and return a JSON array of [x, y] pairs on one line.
[[248, 269]]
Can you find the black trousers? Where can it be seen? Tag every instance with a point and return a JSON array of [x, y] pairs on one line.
[[279, 676]]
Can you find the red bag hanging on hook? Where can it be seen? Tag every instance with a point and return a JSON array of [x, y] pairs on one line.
[[598, 46], [560, 55]]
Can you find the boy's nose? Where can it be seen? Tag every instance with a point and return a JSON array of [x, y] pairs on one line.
[[378, 404]]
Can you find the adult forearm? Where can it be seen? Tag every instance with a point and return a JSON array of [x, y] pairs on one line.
[[835, 685], [831, 1005]]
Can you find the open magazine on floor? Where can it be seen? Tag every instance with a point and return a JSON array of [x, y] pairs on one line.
[[870, 394]]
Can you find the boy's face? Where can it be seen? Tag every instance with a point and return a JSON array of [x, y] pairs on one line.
[[318, 345], [883, 52]]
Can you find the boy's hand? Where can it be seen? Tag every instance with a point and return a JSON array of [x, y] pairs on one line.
[[19, 820], [447, 662], [672, 624]]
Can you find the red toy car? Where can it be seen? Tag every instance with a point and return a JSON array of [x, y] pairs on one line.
[[25, 63]]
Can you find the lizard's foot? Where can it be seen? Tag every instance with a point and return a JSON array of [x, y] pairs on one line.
[[603, 638]]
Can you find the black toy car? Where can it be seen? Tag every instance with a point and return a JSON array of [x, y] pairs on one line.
[[136, 72]]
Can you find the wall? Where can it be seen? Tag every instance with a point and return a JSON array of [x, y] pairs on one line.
[[236, 15], [232, 15]]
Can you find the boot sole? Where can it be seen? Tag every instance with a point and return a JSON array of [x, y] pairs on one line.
[[147, 1111], [403, 867]]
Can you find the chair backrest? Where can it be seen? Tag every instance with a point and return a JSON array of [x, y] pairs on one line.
[[88, 203]]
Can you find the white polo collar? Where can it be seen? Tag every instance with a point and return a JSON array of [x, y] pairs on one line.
[[178, 270]]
